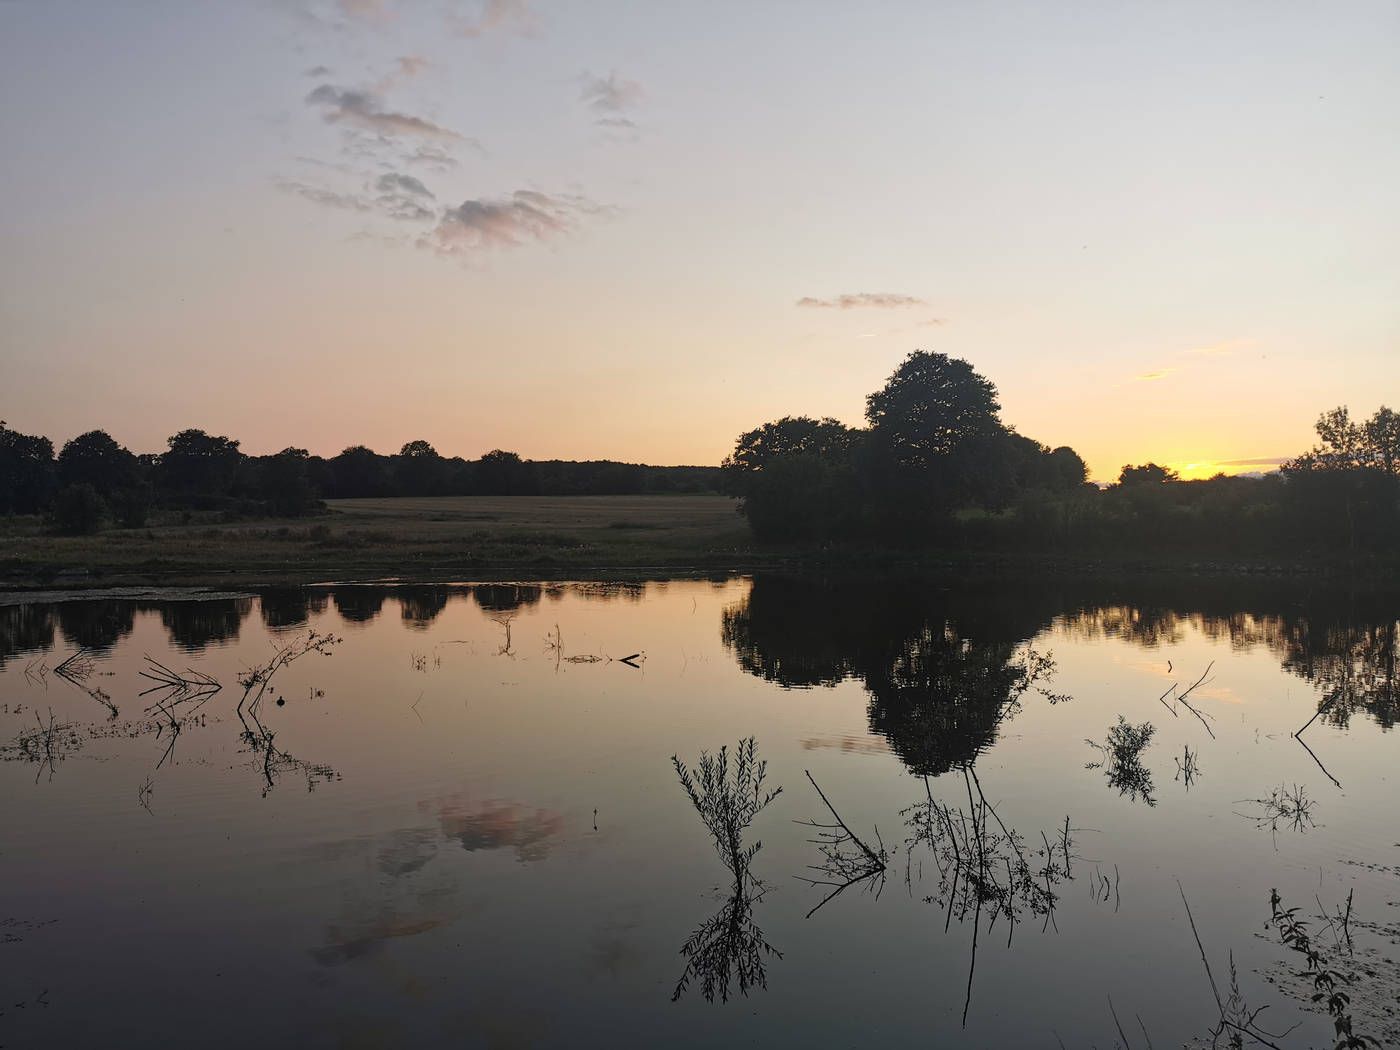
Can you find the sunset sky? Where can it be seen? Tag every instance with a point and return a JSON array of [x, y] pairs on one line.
[[634, 230]]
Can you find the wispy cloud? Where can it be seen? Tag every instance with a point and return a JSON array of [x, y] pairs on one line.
[[434, 157], [507, 222], [496, 16], [932, 322], [403, 197], [394, 195], [1229, 346], [610, 94], [365, 10], [1267, 461], [1147, 376], [363, 108], [320, 195], [319, 71], [855, 300]]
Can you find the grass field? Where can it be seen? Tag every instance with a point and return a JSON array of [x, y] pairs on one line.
[[431, 536]]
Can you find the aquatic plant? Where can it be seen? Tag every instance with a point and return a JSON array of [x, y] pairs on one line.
[[728, 800], [1122, 759]]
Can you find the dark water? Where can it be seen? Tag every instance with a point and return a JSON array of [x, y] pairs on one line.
[[421, 836]]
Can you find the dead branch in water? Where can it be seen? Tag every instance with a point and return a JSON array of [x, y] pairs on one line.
[[843, 866]]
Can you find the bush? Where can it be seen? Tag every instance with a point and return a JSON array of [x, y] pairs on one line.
[[77, 511]]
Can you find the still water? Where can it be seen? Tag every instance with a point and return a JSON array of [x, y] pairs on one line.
[[450, 816]]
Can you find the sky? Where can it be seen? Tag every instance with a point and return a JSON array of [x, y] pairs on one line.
[[635, 230]]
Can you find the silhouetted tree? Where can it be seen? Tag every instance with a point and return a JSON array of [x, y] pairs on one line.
[[500, 473], [26, 471], [285, 483], [1146, 474], [96, 459], [77, 510], [199, 465], [359, 472], [419, 470]]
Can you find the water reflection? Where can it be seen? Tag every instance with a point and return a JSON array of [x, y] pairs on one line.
[[25, 629], [495, 824], [193, 625], [290, 607], [358, 604], [420, 606], [506, 597], [96, 625], [939, 686]]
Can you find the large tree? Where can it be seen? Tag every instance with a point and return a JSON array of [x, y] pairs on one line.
[[199, 464], [931, 406], [26, 471]]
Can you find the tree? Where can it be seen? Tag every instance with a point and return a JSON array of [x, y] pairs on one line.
[[1070, 472], [1146, 474], [789, 436], [501, 473], [286, 483], [78, 510], [1383, 440], [96, 459], [419, 470], [26, 471], [359, 471], [930, 406], [199, 464]]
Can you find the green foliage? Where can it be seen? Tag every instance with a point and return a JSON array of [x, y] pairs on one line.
[[1327, 982], [78, 510]]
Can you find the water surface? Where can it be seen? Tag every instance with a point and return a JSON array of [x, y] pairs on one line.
[[456, 820]]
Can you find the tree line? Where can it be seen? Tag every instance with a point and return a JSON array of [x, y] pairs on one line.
[[935, 466], [94, 482]]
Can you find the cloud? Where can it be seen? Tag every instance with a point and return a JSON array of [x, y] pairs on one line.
[[435, 157], [621, 123], [1153, 375], [403, 197], [610, 94], [1229, 346], [850, 301], [496, 16], [365, 10], [413, 65], [394, 195], [1268, 461], [319, 71], [361, 107], [320, 195], [932, 322], [475, 225]]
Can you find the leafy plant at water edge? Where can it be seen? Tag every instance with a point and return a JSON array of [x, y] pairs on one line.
[[1326, 982]]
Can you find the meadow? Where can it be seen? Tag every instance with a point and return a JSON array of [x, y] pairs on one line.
[[417, 536]]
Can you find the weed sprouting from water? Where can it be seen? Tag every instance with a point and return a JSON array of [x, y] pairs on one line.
[[728, 946], [1122, 759], [1284, 807], [729, 800]]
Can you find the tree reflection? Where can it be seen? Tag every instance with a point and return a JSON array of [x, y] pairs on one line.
[[358, 604], [23, 629], [420, 606], [96, 626], [193, 625], [289, 607], [943, 670], [506, 597], [1342, 643]]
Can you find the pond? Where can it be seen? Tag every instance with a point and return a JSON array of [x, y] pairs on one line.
[[379, 816]]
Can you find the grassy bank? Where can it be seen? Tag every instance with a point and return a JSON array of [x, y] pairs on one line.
[[539, 536], [428, 536]]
